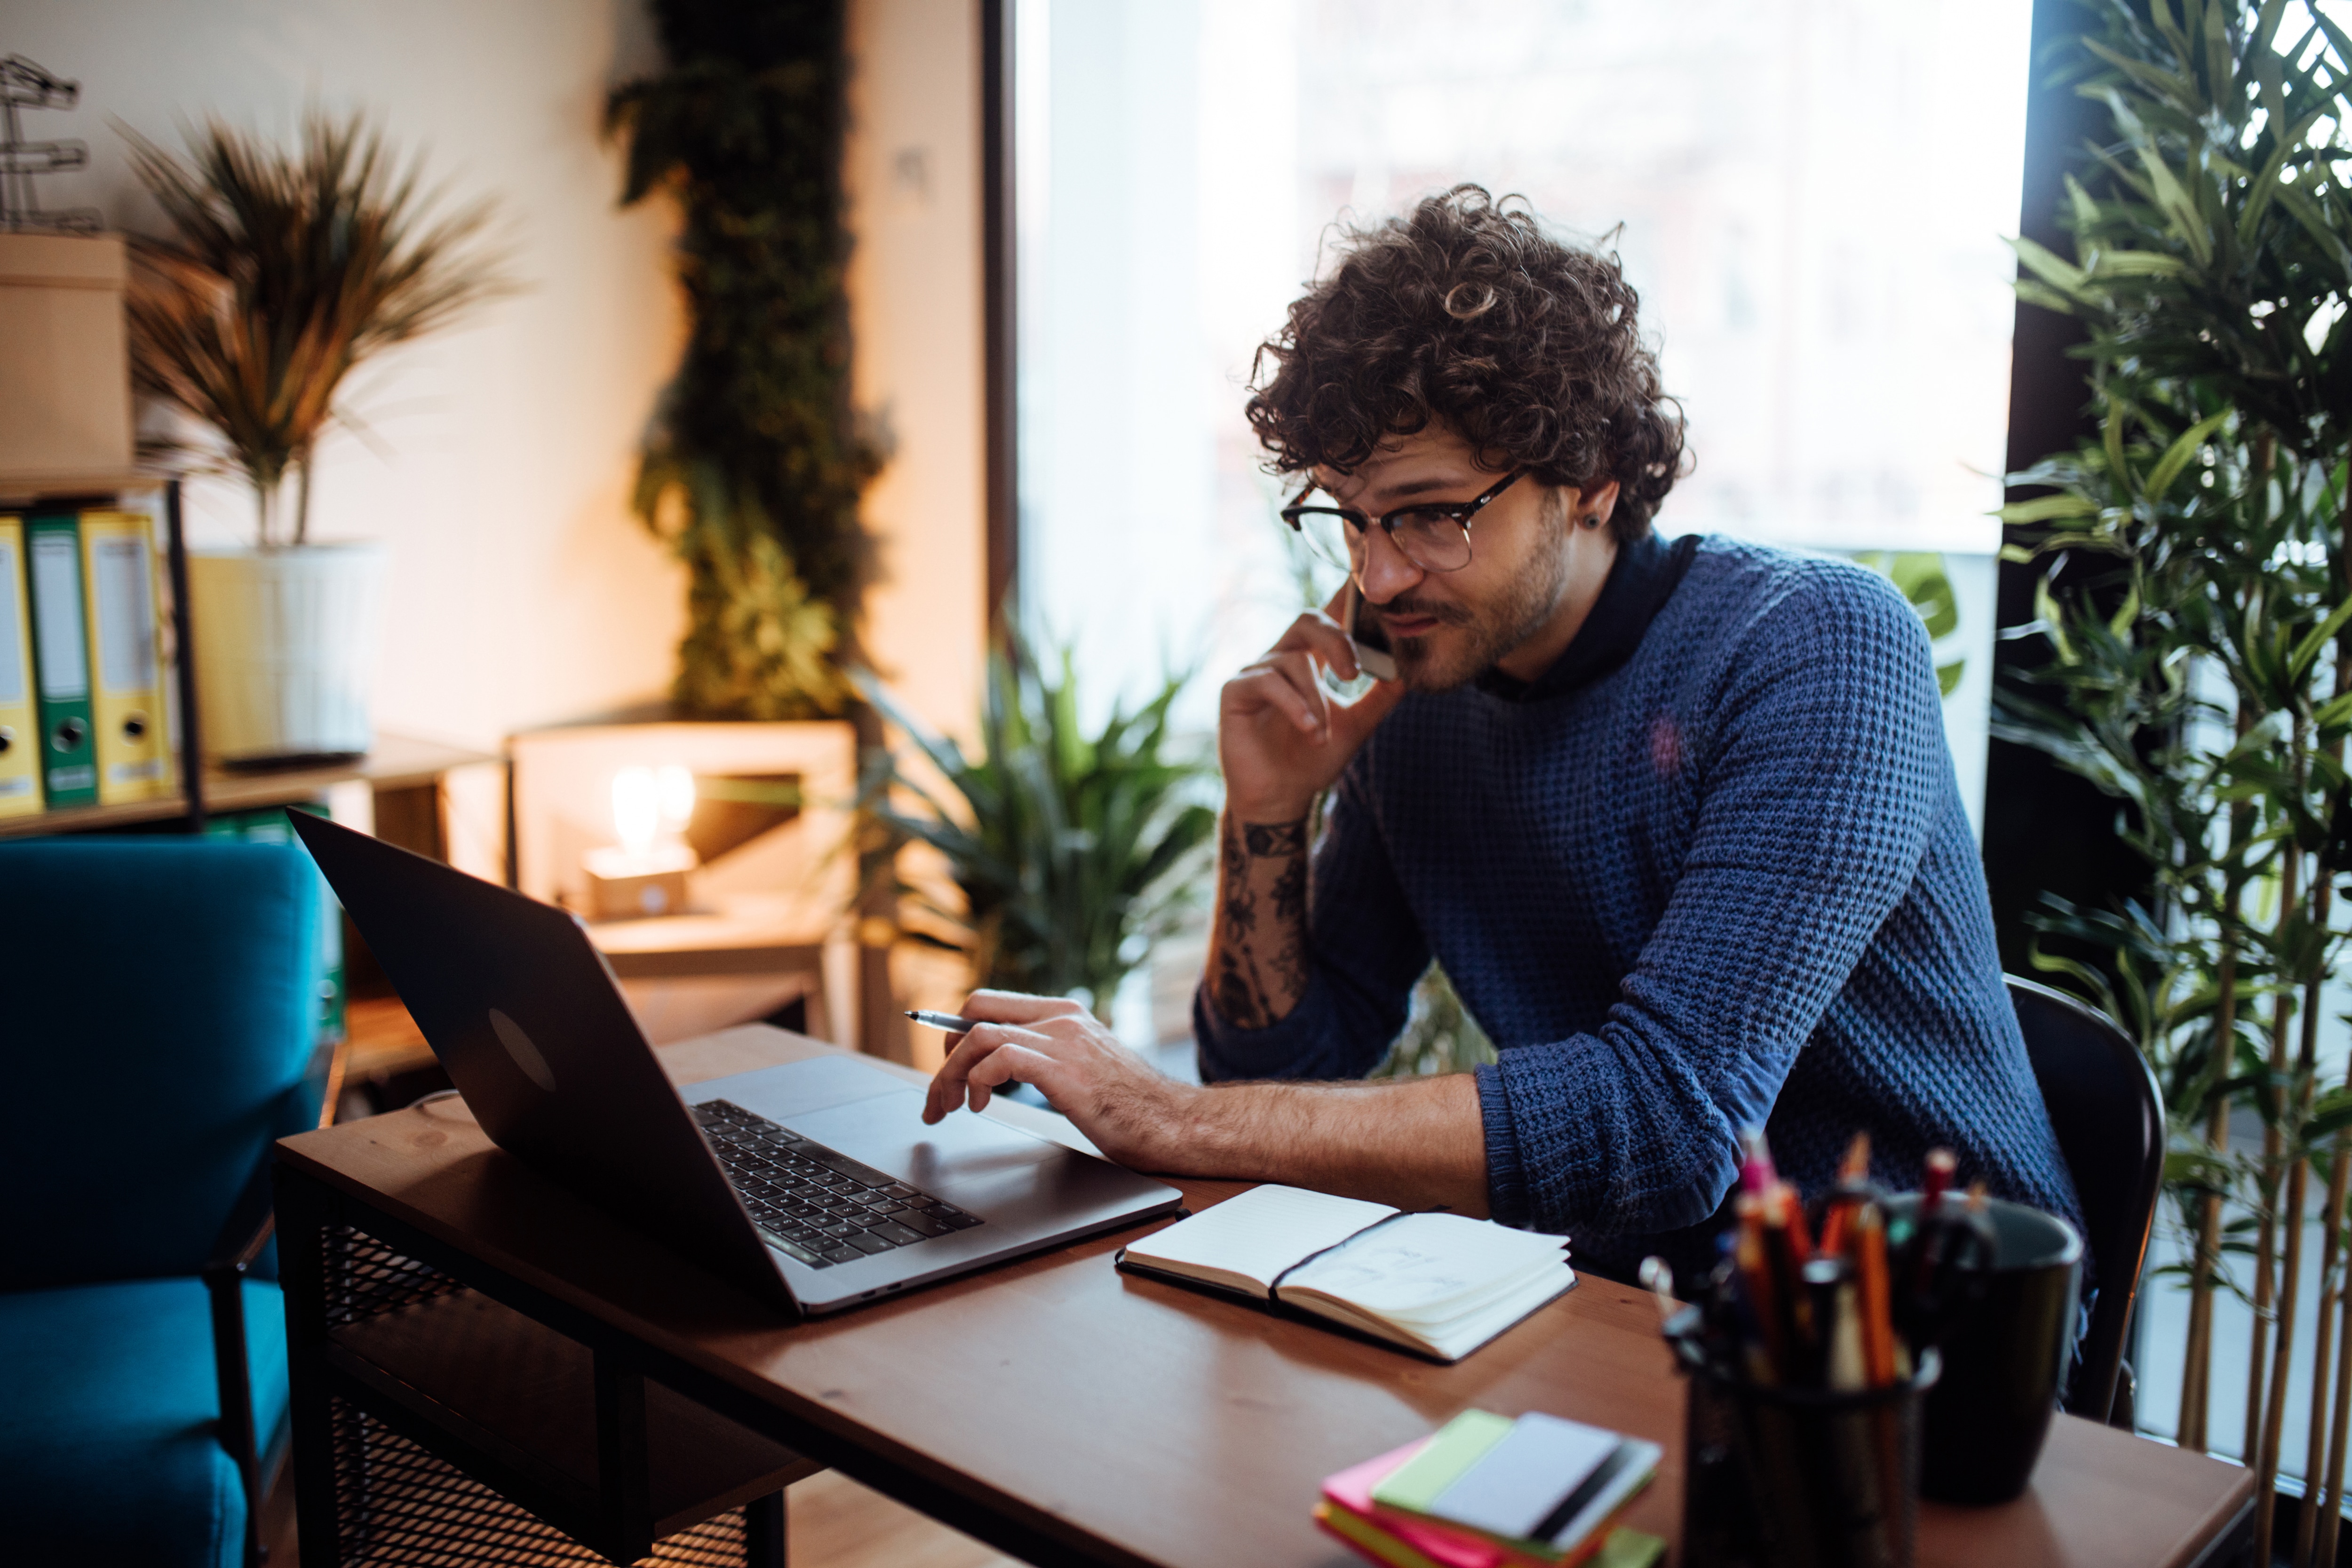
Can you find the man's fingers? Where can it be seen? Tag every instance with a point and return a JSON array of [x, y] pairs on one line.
[[1009, 1064], [1015, 1007], [1287, 682], [1317, 632], [948, 1085], [1268, 688]]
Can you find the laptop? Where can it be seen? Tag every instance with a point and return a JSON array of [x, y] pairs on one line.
[[814, 1185]]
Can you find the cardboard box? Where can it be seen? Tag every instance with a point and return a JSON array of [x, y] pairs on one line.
[[65, 362]]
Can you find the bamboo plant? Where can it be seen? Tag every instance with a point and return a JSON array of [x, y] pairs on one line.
[[284, 270], [2200, 668]]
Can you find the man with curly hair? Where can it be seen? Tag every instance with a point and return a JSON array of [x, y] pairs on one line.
[[1678, 820]]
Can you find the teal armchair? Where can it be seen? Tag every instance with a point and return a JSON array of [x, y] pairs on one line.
[[158, 1020]]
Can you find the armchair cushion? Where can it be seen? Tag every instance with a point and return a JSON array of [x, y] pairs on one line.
[[161, 1007], [108, 1407]]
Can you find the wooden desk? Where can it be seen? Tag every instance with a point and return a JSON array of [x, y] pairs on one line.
[[1066, 1413]]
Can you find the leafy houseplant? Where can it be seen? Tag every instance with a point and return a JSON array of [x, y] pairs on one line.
[[2203, 674], [284, 271], [754, 474], [1072, 852]]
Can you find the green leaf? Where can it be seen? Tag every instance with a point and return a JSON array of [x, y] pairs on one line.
[[2138, 264], [2049, 266], [2306, 652], [2042, 509], [2127, 613], [2181, 453]]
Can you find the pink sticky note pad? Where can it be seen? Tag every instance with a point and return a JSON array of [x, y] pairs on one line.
[[1351, 1488]]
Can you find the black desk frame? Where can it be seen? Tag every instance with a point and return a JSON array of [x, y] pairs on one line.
[[311, 1215]]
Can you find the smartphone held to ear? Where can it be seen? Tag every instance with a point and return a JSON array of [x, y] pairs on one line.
[[1372, 645]]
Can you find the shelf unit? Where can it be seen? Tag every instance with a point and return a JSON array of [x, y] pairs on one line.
[[24, 490], [393, 761]]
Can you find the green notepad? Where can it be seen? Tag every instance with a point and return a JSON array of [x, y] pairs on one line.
[[1459, 1444]]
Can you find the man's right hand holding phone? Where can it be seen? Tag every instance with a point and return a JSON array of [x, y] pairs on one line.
[[1283, 738]]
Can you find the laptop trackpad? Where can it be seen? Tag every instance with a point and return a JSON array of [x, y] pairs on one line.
[[961, 1155], [799, 1088]]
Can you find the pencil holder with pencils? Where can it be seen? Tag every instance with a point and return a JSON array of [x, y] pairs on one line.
[[1809, 1347], [1779, 1477]]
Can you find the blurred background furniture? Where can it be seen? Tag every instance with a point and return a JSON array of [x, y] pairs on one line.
[[2109, 1117], [770, 874], [160, 1001]]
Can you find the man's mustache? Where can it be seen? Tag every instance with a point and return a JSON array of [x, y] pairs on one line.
[[1406, 604]]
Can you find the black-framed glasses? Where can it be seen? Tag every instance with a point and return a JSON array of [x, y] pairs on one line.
[[1435, 537]]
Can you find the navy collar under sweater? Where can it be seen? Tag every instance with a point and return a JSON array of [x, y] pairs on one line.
[[1696, 878], [1641, 581]]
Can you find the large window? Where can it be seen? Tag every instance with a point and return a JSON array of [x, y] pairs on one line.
[[1809, 193]]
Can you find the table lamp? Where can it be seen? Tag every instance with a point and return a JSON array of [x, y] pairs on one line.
[[645, 874]]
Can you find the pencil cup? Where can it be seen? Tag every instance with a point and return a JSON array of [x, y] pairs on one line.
[[1802, 1477]]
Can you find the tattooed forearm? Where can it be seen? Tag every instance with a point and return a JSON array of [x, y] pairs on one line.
[[1258, 954], [1265, 841]]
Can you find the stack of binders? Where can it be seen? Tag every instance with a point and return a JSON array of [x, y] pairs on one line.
[[1487, 1492], [82, 668]]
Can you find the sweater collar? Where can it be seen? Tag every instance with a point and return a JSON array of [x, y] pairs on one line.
[[1642, 580]]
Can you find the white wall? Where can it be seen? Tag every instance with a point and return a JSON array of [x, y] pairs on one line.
[[522, 590], [912, 167]]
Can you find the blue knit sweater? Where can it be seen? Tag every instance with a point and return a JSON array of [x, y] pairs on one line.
[[1711, 870]]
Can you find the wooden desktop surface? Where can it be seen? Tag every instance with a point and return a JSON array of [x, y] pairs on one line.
[[1141, 1423]]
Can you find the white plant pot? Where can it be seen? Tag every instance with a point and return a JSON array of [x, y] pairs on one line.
[[286, 645]]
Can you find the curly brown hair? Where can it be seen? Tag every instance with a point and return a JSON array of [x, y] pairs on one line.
[[1467, 312]]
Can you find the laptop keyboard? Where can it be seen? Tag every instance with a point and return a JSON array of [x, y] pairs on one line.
[[814, 1205]]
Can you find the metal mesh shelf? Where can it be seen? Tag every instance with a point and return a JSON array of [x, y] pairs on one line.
[[397, 1505]]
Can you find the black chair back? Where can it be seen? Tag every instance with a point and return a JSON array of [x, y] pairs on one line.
[[2109, 1116]]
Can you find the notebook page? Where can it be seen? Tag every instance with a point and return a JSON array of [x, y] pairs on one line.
[[1260, 1233], [1428, 1267]]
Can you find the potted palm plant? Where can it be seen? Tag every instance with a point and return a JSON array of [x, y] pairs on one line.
[[1071, 852], [282, 272]]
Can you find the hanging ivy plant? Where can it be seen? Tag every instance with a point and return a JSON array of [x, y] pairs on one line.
[[755, 468]]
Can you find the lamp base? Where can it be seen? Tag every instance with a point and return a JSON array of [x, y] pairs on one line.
[[626, 887]]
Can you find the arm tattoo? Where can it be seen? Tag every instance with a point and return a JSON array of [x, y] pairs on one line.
[[1265, 840], [1259, 969]]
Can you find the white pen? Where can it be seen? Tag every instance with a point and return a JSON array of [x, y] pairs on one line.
[[947, 1021]]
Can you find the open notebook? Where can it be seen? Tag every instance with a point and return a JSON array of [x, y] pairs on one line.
[[1436, 1283]]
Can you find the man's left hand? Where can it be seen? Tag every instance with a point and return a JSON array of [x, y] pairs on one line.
[[1134, 1114]]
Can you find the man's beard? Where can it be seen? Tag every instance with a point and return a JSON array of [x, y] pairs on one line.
[[1491, 632]]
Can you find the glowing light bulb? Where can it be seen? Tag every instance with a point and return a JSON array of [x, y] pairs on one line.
[[636, 809], [675, 785]]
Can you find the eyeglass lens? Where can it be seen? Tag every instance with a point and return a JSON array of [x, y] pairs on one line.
[[1433, 541]]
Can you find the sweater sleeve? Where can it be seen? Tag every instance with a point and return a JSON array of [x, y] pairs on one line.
[[1364, 951], [1817, 776]]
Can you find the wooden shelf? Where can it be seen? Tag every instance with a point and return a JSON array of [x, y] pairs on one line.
[[16, 490], [398, 762]]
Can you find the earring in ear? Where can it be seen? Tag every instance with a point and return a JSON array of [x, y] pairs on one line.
[[1591, 519]]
